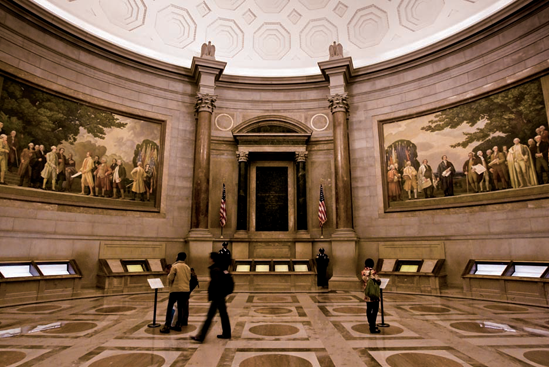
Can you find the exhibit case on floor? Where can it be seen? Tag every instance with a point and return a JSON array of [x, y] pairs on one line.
[[38, 280], [274, 274], [413, 275], [129, 275], [508, 280]]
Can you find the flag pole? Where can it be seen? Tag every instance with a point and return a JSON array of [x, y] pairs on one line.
[[322, 231]]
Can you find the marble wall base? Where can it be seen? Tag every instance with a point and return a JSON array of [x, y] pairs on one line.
[[199, 247]]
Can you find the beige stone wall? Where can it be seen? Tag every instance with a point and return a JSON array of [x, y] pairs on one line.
[[48, 58], [510, 52]]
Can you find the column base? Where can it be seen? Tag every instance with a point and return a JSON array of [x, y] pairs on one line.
[[200, 244]]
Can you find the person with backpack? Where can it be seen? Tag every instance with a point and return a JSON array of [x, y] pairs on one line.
[[179, 280], [370, 286], [221, 285]]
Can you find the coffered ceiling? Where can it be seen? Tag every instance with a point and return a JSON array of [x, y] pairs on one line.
[[273, 37]]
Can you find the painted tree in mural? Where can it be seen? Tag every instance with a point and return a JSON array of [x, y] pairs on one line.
[[400, 152], [146, 153], [514, 113], [47, 119]]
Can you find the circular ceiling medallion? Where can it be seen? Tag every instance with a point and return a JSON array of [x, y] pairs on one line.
[[540, 357], [275, 360], [274, 330], [420, 360], [365, 329], [72, 327], [114, 309], [273, 311], [39, 308], [224, 122], [10, 357], [430, 309], [476, 327], [131, 359], [506, 308], [320, 122]]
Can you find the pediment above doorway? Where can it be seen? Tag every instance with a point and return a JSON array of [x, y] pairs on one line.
[[272, 130]]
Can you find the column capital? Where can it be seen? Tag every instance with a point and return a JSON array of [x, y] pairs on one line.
[[242, 156], [301, 156], [339, 102], [205, 102]]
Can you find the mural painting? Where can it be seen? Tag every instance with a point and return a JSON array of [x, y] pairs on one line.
[[82, 154], [497, 144]]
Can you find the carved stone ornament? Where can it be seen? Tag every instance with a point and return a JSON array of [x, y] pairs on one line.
[[207, 50], [338, 102], [301, 156], [336, 51], [242, 156], [205, 102]]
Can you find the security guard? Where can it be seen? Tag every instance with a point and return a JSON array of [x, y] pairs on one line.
[[225, 256], [322, 261]]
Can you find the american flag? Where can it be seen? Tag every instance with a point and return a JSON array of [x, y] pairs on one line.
[[223, 210], [322, 217]]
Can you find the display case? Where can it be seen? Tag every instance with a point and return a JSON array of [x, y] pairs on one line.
[[518, 281], [274, 274], [413, 275], [129, 275], [38, 280]]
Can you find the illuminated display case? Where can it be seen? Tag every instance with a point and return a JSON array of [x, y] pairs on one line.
[[413, 275], [123, 275], [274, 274], [38, 269], [517, 281]]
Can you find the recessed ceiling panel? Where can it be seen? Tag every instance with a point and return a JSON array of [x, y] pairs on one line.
[[273, 37]]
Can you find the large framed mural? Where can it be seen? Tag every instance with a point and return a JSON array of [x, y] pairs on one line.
[[491, 150], [62, 151]]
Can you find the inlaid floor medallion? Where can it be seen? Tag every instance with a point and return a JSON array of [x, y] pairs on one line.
[[72, 327], [114, 309], [420, 360], [508, 308], [184, 330], [273, 311], [275, 360], [131, 360], [272, 299], [39, 308], [335, 298], [540, 357], [351, 310], [365, 329], [274, 330], [430, 309], [198, 310], [10, 357], [476, 327]]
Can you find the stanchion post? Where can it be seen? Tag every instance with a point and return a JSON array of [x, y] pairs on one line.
[[154, 324], [383, 324]]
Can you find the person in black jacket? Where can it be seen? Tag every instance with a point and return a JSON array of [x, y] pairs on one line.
[[216, 296]]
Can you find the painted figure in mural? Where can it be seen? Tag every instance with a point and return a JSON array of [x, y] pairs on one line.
[[61, 161], [474, 171], [118, 176], [113, 167], [498, 167], [87, 176], [1, 128], [543, 133], [102, 178], [410, 179], [138, 187], [70, 170], [207, 51], [489, 171], [96, 164], [484, 184], [426, 179], [446, 172], [13, 156], [541, 159], [25, 171], [393, 180], [4, 151], [50, 169], [521, 167], [38, 166], [335, 50], [149, 180]]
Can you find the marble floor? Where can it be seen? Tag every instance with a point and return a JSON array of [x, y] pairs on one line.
[[277, 329]]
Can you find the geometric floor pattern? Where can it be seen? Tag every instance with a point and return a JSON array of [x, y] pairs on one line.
[[277, 330]]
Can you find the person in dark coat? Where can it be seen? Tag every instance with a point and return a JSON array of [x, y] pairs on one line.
[[216, 296], [446, 172], [322, 261], [225, 256]]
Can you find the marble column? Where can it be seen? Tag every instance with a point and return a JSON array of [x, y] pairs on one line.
[[242, 211], [301, 190], [204, 107], [344, 212]]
